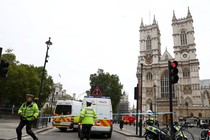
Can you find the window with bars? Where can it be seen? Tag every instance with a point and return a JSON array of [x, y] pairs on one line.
[[183, 38], [165, 86], [186, 73], [149, 76], [148, 43]]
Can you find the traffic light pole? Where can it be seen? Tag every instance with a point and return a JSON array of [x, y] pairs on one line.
[[140, 89], [170, 93], [137, 112]]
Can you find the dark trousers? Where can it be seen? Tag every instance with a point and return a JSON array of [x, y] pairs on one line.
[[28, 129], [86, 128]]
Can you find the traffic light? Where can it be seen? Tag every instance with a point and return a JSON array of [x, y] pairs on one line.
[[173, 71], [3, 68], [136, 91]]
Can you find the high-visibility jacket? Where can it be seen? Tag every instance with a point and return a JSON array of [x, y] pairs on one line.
[[29, 111], [88, 115]]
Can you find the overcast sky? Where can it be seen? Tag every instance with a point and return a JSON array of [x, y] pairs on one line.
[[92, 34]]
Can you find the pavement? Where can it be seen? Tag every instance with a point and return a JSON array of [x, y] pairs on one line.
[[8, 129], [127, 131]]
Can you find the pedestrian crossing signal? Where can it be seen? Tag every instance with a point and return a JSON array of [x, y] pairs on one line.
[[3, 68], [136, 91]]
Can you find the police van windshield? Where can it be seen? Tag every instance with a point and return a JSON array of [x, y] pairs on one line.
[[63, 109]]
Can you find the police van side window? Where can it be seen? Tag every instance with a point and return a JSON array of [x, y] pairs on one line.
[[63, 109]]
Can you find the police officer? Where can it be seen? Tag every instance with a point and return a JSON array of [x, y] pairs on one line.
[[150, 120], [87, 117], [28, 112]]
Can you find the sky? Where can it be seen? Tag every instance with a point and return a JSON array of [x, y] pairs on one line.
[[92, 34]]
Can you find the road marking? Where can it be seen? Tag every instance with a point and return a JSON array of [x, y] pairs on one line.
[[45, 132]]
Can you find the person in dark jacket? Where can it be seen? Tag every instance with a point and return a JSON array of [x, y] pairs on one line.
[[121, 124]]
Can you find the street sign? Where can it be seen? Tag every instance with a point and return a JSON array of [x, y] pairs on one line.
[[97, 91]]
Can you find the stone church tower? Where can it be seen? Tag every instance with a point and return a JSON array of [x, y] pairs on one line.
[[189, 99]]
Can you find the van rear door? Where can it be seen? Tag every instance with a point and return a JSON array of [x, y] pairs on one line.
[[104, 114]]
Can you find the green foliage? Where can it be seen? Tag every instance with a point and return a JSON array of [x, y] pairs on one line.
[[110, 85], [22, 79], [48, 111]]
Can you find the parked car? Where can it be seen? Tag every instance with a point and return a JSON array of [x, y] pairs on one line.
[[187, 124]]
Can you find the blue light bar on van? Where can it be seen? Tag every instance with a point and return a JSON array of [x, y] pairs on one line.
[[104, 97]]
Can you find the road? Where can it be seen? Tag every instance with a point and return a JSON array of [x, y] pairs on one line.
[[8, 131], [55, 134], [195, 131]]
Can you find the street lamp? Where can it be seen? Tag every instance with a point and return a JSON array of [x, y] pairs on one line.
[[139, 75], [45, 61]]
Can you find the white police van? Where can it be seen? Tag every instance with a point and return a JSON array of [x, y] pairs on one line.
[[66, 115], [104, 122]]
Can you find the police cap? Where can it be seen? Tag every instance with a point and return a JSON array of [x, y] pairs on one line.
[[29, 95], [89, 102]]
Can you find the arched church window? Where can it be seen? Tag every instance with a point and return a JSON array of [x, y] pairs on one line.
[[191, 114], [186, 73], [183, 38], [150, 106], [186, 104], [149, 76], [148, 43], [200, 114], [166, 57], [165, 86]]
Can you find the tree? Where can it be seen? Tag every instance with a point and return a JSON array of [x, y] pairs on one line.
[[22, 79], [110, 86]]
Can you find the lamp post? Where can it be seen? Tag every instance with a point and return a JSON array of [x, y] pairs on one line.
[[139, 97], [155, 98], [43, 71]]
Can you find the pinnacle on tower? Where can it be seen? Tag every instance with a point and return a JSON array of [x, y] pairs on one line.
[[141, 23], [154, 21], [188, 13], [174, 17]]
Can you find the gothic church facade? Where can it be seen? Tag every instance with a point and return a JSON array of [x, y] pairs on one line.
[[190, 98]]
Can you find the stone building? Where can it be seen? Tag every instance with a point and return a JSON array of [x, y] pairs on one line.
[[123, 106], [58, 94], [190, 96]]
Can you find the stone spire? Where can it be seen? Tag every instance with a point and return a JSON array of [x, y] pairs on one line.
[[174, 17], [142, 24], [154, 21], [188, 13]]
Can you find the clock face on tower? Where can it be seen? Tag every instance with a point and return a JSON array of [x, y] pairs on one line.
[[185, 56], [148, 59]]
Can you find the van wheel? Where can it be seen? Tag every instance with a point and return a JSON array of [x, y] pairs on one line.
[[109, 135], [63, 129], [75, 129]]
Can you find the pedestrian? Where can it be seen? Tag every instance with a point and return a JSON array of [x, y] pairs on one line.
[[87, 117], [121, 124], [28, 112]]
